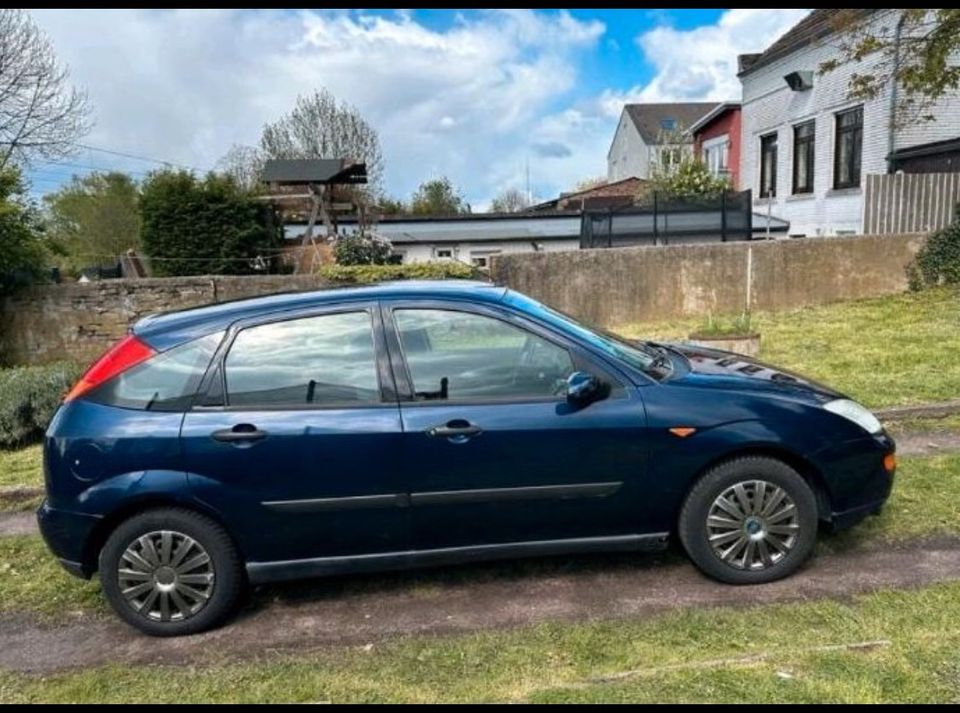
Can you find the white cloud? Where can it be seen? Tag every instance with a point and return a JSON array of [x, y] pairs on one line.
[[701, 64], [185, 85], [477, 101]]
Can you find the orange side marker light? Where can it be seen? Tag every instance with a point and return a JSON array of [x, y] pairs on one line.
[[890, 462], [682, 431]]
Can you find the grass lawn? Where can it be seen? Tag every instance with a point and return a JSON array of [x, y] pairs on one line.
[[21, 468], [884, 352], [765, 654]]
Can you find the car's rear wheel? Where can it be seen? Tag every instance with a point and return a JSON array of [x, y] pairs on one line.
[[749, 520], [171, 572]]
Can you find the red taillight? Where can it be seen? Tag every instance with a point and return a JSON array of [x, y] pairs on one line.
[[126, 353]]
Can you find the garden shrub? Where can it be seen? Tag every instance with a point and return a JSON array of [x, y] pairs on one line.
[[362, 250], [414, 271], [29, 396], [938, 261]]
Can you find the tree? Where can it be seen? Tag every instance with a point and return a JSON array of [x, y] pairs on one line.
[[510, 201], [41, 116], [209, 226], [22, 254], [94, 219], [319, 126], [686, 180], [918, 52], [438, 197], [391, 206], [244, 164]]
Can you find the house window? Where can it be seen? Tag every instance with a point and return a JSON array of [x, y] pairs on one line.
[[847, 148], [443, 253], [768, 166], [804, 138], [668, 124], [670, 157], [481, 258], [716, 155]]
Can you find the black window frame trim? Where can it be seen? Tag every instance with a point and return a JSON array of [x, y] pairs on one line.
[[582, 360], [216, 370], [837, 130], [811, 158], [775, 135]]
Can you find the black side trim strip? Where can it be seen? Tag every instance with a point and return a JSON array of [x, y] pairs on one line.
[[261, 572], [350, 503], [536, 492]]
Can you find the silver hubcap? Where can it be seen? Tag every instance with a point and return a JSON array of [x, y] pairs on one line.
[[166, 576], [753, 525]]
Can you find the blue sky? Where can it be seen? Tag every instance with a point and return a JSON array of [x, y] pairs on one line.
[[473, 95]]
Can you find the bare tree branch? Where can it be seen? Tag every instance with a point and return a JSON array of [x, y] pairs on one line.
[[41, 115]]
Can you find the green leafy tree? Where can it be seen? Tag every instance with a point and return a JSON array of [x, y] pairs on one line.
[[686, 180], [209, 226], [94, 219], [22, 253], [511, 200], [438, 197], [391, 206], [915, 49]]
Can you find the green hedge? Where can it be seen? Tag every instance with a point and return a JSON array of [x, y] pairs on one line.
[[938, 261], [413, 271], [29, 396]]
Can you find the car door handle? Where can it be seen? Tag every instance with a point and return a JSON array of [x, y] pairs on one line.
[[458, 429], [241, 433]]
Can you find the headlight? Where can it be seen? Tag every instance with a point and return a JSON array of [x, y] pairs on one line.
[[855, 412]]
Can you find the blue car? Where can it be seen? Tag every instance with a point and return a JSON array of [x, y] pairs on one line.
[[412, 424]]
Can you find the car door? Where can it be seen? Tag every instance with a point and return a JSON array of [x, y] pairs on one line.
[[494, 452], [296, 438]]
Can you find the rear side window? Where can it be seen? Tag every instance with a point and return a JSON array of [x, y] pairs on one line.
[[165, 382], [315, 361]]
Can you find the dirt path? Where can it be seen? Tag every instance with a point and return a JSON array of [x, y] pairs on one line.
[[364, 610], [18, 523]]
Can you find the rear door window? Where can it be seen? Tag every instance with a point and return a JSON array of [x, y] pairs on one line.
[[316, 361], [165, 382]]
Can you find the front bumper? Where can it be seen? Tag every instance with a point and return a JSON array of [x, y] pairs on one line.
[[68, 535], [861, 481]]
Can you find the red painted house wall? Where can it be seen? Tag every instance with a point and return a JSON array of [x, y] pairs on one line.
[[726, 123]]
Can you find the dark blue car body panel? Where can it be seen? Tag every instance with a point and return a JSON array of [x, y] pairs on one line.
[[340, 489]]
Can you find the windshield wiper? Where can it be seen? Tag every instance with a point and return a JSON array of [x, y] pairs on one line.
[[662, 359]]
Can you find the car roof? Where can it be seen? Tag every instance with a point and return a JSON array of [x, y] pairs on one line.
[[168, 329]]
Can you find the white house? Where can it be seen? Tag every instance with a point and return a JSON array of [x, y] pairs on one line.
[[651, 135], [806, 146], [472, 238]]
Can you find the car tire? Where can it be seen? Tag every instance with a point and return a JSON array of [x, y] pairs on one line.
[[171, 572], [749, 520]]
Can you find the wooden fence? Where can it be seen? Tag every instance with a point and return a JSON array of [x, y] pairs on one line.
[[909, 202]]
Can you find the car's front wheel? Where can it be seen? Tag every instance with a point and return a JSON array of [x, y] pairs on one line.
[[171, 572], [749, 520]]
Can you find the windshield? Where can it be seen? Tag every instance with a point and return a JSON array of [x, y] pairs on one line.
[[638, 355]]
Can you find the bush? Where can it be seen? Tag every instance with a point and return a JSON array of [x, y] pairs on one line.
[[415, 271], [28, 398], [938, 261], [209, 226], [362, 250]]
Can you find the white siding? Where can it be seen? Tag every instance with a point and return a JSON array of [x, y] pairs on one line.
[[628, 156], [464, 251], [769, 105]]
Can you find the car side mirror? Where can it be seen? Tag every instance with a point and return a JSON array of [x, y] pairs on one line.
[[583, 389]]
